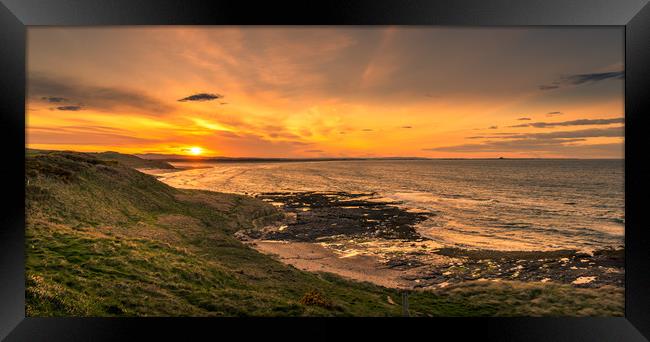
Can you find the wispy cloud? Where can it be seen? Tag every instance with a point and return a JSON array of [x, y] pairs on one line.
[[554, 113], [58, 136], [314, 151], [549, 86], [311, 80], [579, 79], [585, 133], [54, 99], [79, 129], [70, 108], [580, 122], [93, 97], [595, 77], [531, 141], [561, 147], [201, 97]]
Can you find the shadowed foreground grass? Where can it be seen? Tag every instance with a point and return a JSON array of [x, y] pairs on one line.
[[103, 239]]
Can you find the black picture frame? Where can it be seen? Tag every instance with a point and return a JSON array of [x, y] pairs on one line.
[[15, 15]]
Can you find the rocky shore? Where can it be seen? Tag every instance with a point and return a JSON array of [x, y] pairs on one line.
[[316, 215], [382, 235]]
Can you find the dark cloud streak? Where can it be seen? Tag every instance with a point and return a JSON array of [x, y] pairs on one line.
[[595, 77], [531, 141], [578, 79], [54, 99], [580, 122], [69, 108], [201, 97]]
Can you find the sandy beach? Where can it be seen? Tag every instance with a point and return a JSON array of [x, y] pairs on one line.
[[314, 257]]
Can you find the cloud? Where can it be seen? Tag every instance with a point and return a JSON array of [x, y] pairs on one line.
[[93, 137], [524, 119], [80, 129], [585, 133], [314, 151], [201, 97], [595, 77], [284, 135], [54, 99], [505, 146], [580, 122], [70, 108], [531, 141], [493, 127], [554, 113], [367, 130], [578, 79], [492, 135], [407, 126], [103, 98], [562, 147]]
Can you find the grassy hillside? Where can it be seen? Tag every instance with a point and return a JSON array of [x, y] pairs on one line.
[[133, 161], [103, 239], [127, 160]]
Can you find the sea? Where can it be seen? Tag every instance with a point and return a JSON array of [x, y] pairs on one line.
[[497, 204]]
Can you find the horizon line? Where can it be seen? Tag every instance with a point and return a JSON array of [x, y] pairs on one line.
[[198, 158]]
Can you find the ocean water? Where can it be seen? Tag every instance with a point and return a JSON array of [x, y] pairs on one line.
[[488, 204]]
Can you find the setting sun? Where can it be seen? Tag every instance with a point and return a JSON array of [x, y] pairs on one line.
[[195, 150], [393, 92]]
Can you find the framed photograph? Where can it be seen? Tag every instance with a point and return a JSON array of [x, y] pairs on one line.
[[177, 169]]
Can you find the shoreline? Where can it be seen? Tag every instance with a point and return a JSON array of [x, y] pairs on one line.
[[437, 269], [364, 237], [367, 239], [175, 251]]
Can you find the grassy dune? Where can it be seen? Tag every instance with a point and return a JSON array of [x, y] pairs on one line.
[[133, 161], [103, 239]]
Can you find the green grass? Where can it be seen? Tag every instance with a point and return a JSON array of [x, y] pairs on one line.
[[106, 240], [133, 161]]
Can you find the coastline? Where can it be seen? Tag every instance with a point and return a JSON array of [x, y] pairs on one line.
[[364, 237], [134, 246]]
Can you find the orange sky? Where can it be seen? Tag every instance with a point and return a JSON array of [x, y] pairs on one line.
[[328, 91]]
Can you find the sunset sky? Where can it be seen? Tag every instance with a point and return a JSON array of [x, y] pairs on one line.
[[328, 91]]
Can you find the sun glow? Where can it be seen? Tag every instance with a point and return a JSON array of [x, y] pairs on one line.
[[395, 91], [195, 150]]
